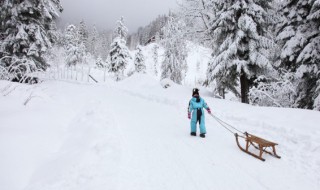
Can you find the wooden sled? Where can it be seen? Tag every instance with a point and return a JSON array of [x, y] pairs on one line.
[[259, 143]]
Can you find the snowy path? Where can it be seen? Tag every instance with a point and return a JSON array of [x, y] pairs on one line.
[[136, 136]]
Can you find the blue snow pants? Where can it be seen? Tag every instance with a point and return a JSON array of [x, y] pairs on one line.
[[197, 115], [197, 118]]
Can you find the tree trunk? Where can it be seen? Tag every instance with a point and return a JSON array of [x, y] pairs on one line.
[[244, 87], [223, 92]]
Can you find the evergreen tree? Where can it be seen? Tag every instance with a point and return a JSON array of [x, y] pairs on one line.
[[154, 29], [139, 63], [240, 32], [155, 56], [71, 36], [157, 37], [119, 53], [93, 41], [105, 39], [118, 57], [75, 49], [28, 30], [83, 34], [299, 37], [174, 64], [121, 30]]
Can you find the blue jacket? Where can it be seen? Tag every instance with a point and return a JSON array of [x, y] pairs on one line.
[[193, 104]]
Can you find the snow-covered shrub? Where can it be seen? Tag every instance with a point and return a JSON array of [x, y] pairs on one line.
[[4, 74], [100, 63], [166, 83], [279, 92], [20, 70], [130, 72]]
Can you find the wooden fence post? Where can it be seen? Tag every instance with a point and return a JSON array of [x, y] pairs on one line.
[[104, 74], [70, 70], [75, 67], [82, 72], [89, 73]]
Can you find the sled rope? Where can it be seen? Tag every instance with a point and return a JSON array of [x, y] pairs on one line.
[[227, 126]]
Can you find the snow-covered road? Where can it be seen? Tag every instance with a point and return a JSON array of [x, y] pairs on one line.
[[135, 135]]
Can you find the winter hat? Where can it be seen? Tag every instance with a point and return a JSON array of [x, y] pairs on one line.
[[195, 91]]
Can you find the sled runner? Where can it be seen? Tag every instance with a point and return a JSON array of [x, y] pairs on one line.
[[258, 143]]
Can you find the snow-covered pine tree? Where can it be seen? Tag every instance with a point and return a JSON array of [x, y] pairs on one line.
[[155, 57], [291, 32], [121, 30], [83, 34], [299, 37], [93, 41], [71, 36], [146, 35], [240, 32], [119, 52], [154, 29], [27, 30], [104, 47], [309, 59], [139, 61], [174, 64], [118, 57], [75, 49]]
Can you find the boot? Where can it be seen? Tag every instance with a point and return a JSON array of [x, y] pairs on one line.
[[203, 135], [193, 134]]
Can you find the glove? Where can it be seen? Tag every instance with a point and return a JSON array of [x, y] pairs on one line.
[[208, 110], [189, 115]]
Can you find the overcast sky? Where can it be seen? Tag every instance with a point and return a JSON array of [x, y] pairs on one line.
[[105, 13]]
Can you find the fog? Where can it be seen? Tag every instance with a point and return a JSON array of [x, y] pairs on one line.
[[105, 13]]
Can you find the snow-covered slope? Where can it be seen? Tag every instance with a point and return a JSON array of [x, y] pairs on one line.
[[135, 135]]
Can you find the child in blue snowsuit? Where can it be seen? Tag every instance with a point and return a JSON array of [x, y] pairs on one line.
[[195, 108]]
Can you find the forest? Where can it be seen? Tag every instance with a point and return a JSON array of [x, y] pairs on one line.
[[264, 52]]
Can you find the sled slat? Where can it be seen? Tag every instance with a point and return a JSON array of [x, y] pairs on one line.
[[259, 143]]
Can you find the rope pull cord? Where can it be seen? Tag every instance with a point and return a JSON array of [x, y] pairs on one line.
[[227, 126]]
